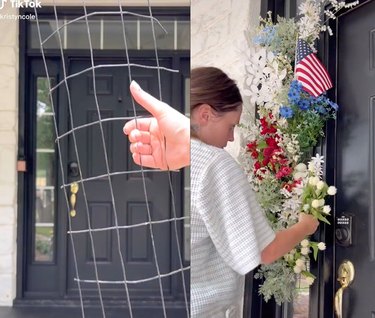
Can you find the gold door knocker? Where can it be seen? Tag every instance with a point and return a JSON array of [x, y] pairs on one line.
[[73, 198], [345, 276]]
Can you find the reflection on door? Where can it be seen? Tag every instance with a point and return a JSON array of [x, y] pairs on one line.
[[355, 169]]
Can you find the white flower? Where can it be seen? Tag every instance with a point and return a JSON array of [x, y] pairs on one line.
[[315, 204], [326, 209], [315, 165], [288, 257], [321, 246], [299, 189], [300, 262], [305, 243], [305, 250], [301, 167], [306, 207], [309, 280], [313, 180], [297, 269], [264, 79], [299, 175], [320, 185], [332, 190], [321, 202]]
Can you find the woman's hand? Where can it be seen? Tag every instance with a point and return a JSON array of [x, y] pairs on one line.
[[309, 222], [162, 141]]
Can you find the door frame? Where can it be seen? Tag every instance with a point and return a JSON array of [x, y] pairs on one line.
[[26, 144]]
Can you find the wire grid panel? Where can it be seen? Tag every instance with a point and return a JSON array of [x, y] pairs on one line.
[[89, 132]]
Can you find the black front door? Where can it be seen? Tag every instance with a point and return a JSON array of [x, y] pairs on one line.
[[107, 253], [113, 203], [355, 161]]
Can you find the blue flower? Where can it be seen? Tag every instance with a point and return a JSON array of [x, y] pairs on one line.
[[266, 36], [321, 109], [297, 85], [294, 96], [304, 104], [333, 105], [319, 100], [286, 112], [258, 40]]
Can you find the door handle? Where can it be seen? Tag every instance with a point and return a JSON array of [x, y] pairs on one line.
[[74, 187], [345, 276]]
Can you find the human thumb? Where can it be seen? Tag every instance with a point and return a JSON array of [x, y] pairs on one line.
[[147, 101]]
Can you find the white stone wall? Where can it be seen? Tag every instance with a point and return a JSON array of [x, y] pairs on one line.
[[220, 37], [8, 155]]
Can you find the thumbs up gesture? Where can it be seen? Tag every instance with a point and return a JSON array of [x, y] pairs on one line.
[[161, 141]]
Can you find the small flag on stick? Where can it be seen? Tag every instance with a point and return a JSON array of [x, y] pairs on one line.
[[310, 71]]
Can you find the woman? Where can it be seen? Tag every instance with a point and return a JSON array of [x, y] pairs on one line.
[[229, 234]]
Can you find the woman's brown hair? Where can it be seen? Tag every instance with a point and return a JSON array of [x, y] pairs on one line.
[[210, 85]]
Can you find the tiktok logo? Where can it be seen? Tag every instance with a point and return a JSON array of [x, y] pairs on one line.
[[22, 4], [2, 3]]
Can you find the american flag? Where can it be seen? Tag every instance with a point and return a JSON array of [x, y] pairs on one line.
[[310, 71]]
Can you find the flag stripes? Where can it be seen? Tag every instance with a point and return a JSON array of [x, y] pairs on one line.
[[310, 71]]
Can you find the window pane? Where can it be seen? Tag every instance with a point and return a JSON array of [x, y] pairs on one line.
[[45, 163], [45, 132], [300, 306], [47, 27], [106, 33], [301, 302], [113, 35], [183, 35], [78, 38], [44, 225], [163, 40], [44, 216]]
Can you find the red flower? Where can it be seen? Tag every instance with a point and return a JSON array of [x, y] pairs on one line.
[[265, 161], [257, 165], [267, 152], [279, 175], [291, 185], [267, 128], [286, 171], [271, 142], [288, 187], [252, 145], [283, 161]]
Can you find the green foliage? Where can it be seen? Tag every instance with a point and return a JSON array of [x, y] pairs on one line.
[[282, 39], [286, 38], [279, 282], [308, 126], [269, 196]]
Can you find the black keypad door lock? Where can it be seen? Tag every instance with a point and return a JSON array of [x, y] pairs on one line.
[[344, 230]]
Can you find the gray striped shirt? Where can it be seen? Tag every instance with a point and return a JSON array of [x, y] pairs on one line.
[[228, 232]]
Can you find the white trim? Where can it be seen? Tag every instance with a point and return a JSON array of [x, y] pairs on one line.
[[101, 34]]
